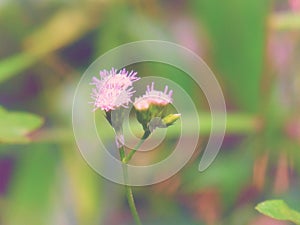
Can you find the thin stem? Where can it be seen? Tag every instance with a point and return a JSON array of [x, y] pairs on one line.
[[127, 158], [122, 152], [129, 194], [131, 153], [132, 207]]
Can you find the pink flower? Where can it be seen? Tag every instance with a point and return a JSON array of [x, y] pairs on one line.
[[153, 110], [153, 97], [113, 89]]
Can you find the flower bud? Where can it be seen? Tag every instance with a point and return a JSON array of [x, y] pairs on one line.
[[153, 109], [170, 119]]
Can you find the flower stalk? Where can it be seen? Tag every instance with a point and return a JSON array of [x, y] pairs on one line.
[[127, 158], [112, 92], [128, 188]]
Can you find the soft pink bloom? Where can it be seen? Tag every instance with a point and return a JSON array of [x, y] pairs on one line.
[[153, 97], [113, 89]]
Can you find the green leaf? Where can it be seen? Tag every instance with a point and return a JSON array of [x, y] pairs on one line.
[[237, 32], [32, 190], [229, 173], [14, 65], [89, 196], [15, 126], [278, 209], [286, 21], [35, 46]]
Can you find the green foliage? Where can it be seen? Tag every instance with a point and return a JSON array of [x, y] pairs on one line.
[[237, 32], [14, 126], [278, 209], [286, 21], [31, 192], [227, 173], [35, 45], [14, 65]]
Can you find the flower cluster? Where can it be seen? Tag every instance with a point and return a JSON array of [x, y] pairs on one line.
[[114, 90]]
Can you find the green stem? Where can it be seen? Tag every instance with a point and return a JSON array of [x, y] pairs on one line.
[[122, 152], [129, 194], [132, 207], [131, 153], [127, 158]]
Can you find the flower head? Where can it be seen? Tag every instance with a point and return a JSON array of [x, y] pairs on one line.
[[153, 97], [153, 109], [113, 89]]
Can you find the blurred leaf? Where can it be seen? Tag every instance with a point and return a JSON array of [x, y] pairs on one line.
[[227, 173], [119, 27], [62, 29], [236, 123], [14, 65], [285, 21], [278, 209], [114, 29], [29, 197], [237, 30], [240, 124], [88, 195], [14, 126], [181, 218]]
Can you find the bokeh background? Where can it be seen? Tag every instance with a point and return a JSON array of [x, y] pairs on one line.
[[253, 47]]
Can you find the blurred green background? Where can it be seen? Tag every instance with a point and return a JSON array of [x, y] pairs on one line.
[[251, 45]]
